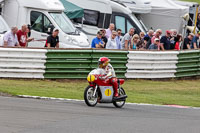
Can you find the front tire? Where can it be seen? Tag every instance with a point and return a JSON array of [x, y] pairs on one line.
[[88, 96], [120, 104]]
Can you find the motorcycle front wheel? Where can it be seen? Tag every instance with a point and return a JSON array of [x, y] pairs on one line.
[[89, 97], [120, 104]]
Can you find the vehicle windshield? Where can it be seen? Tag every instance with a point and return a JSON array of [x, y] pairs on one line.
[[3, 27], [64, 23], [140, 25]]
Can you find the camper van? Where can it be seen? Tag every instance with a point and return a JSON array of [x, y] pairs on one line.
[[137, 6], [3, 29], [43, 16], [99, 14]]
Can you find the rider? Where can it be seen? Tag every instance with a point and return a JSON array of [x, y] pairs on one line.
[[109, 73]]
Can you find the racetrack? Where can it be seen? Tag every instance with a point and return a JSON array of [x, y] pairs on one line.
[[20, 115]]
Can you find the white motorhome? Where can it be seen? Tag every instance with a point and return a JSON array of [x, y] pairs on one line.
[[3, 29], [43, 15], [137, 6], [99, 14]]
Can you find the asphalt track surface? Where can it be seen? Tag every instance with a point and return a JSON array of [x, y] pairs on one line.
[[22, 115]]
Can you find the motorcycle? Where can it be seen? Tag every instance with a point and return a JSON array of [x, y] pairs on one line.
[[101, 91]]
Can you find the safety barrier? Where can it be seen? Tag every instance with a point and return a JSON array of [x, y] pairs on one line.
[[188, 63], [76, 64], [22, 63], [152, 64]]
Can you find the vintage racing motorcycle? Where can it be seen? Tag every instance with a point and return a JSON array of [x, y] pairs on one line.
[[101, 91]]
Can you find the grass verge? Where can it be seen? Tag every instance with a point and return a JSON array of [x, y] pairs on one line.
[[180, 92]]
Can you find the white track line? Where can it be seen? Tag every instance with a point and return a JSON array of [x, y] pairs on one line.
[[138, 104]]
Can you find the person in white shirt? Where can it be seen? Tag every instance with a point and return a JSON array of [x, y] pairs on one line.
[[10, 38], [112, 44]]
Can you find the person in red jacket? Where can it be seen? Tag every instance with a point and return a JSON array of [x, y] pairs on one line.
[[178, 41], [22, 36]]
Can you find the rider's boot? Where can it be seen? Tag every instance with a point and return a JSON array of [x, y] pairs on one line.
[[115, 86]]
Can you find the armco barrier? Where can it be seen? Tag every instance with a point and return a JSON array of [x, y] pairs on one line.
[[188, 64], [69, 64], [76, 64], [152, 64], [22, 63]]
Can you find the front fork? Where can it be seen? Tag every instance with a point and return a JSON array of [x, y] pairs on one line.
[[95, 90]]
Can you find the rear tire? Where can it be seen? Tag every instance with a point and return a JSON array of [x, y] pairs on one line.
[[88, 96], [120, 104]]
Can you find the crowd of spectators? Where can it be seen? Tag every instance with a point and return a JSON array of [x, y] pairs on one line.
[[111, 39], [153, 40], [17, 38]]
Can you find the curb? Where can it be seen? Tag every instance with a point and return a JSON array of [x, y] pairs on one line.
[[138, 104]]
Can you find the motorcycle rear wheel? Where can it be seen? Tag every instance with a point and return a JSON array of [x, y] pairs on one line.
[[120, 104], [88, 96]]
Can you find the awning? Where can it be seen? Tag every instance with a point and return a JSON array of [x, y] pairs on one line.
[[71, 10]]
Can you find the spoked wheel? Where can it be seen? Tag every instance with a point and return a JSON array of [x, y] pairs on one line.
[[89, 97], [120, 104]]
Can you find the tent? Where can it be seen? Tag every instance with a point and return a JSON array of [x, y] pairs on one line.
[[165, 15], [71, 10]]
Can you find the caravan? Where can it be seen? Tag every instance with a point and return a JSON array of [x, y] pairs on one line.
[[99, 14], [43, 16]]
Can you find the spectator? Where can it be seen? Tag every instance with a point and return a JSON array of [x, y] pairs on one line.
[[104, 38], [141, 36], [22, 36], [195, 41], [147, 38], [53, 40], [141, 45], [10, 38], [155, 45], [198, 21], [157, 35], [126, 40], [109, 30], [112, 44], [187, 41], [173, 36], [97, 42], [165, 41], [134, 41], [178, 41], [174, 32], [118, 39]]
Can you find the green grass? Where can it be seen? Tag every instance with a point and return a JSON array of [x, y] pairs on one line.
[[198, 1], [181, 92]]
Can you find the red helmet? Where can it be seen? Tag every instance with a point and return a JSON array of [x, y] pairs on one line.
[[103, 62]]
